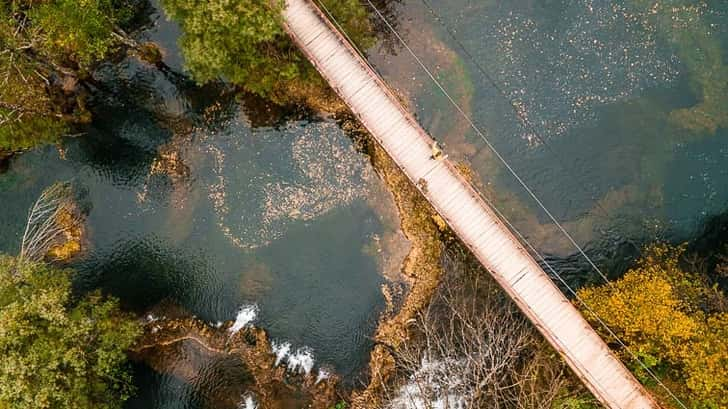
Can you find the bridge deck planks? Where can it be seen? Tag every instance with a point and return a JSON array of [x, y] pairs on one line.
[[468, 215]]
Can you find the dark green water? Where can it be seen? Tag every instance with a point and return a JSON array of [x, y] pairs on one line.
[[272, 208], [262, 218], [275, 209]]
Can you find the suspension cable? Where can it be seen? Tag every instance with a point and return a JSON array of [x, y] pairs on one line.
[[582, 302], [366, 61], [525, 186], [514, 106], [490, 145]]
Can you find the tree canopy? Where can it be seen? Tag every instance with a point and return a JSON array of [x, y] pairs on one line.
[[673, 320], [44, 47], [58, 352], [243, 41]]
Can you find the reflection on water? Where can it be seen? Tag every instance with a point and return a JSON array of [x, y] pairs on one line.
[[190, 202], [216, 381], [163, 392]]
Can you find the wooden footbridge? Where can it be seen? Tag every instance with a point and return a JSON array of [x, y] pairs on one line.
[[460, 205]]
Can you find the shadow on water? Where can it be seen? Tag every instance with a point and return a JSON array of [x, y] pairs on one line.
[[120, 145], [613, 259], [163, 391], [144, 272], [209, 382], [313, 280], [710, 243]]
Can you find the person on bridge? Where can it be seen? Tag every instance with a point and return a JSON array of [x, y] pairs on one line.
[[436, 152]]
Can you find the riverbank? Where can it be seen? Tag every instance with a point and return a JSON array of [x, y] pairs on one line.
[[248, 368], [215, 199]]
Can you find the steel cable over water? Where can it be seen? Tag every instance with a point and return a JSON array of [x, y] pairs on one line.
[[366, 61], [523, 184], [501, 91]]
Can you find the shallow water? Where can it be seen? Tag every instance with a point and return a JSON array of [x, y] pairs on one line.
[[275, 208], [251, 206], [576, 96]]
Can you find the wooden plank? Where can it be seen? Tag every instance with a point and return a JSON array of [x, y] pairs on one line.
[[459, 204]]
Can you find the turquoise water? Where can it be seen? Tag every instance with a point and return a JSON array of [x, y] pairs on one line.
[[260, 206], [275, 208], [576, 96]]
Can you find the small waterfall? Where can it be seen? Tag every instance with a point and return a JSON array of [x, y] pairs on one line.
[[301, 361], [248, 402], [430, 387], [246, 315], [281, 351]]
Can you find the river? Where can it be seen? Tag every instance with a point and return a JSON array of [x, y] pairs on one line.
[[252, 205], [217, 202], [582, 99]]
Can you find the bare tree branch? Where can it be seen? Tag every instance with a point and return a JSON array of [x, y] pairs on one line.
[[44, 227], [474, 349]]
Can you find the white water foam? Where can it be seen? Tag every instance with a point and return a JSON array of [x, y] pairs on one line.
[[411, 398], [430, 388], [301, 361], [246, 315], [281, 351], [248, 403]]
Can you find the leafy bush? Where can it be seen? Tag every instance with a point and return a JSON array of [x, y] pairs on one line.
[[243, 42], [58, 352], [575, 402], [340, 405], [673, 321], [41, 44], [80, 31]]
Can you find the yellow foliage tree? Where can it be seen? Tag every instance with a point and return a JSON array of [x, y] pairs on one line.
[[667, 317]]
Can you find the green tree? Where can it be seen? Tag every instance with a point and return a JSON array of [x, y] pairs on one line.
[[77, 31], [58, 352], [243, 42], [673, 321], [45, 46]]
